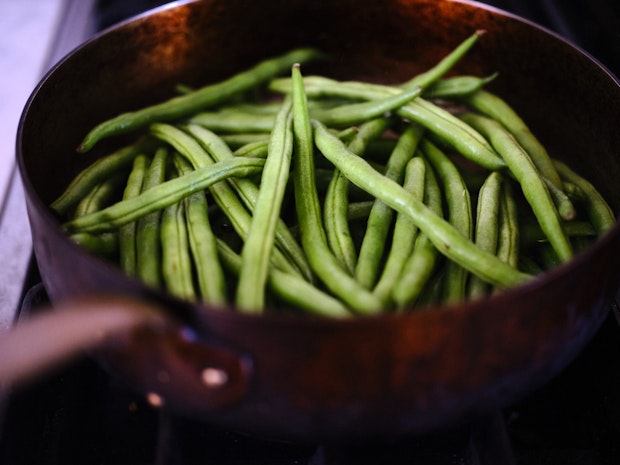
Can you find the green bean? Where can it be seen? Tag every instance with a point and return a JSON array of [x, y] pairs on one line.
[[509, 235], [259, 243], [223, 193], [127, 233], [209, 272], [562, 201], [336, 221], [356, 113], [404, 234], [526, 173], [462, 137], [487, 226], [98, 171], [103, 245], [290, 288], [431, 75], [496, 108], [531, 234], [176, 262], [458, 201], [234, 121], [358, 210], [457, 86], [100, 195], [421, 263], [313, 239], [235, 141], [207, 96], [163, 195], [148, 227], [600, 213], [253, 149], [445, 237], [380, 219], [249, 192]]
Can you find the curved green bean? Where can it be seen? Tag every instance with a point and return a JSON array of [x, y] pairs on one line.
[[313, 239], [176, 263], [259, 243], [209, 272], [487, 226], [187, 104], [457, 87], [431, 75], [163, 195], [336, 221], [127, 233]]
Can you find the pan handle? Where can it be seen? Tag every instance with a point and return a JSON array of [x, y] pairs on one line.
[[133, 339]]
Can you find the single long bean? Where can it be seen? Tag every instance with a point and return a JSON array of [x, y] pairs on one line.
[[234, 121], [148, 228], [163, 195], [127, 232], [259, 243], [313, 239], [187, 104], [434, 73], [336, 221], [103, 245], [356, 113], [209, 272], [532, 184], [487, 226], [176, 263], [456, 87], [445, 237], [509, 236]]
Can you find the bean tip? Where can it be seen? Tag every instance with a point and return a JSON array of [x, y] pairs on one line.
[[480, 32]]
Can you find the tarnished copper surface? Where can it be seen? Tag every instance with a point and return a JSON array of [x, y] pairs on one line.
[[371, 376]]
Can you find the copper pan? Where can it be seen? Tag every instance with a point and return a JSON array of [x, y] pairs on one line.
[[294, 377]]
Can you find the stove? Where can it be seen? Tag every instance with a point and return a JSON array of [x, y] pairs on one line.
[[80, 415]]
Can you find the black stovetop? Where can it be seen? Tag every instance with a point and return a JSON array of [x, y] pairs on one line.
[[81, 416]]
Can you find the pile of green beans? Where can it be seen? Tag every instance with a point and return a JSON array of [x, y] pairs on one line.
[[339, 198]]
